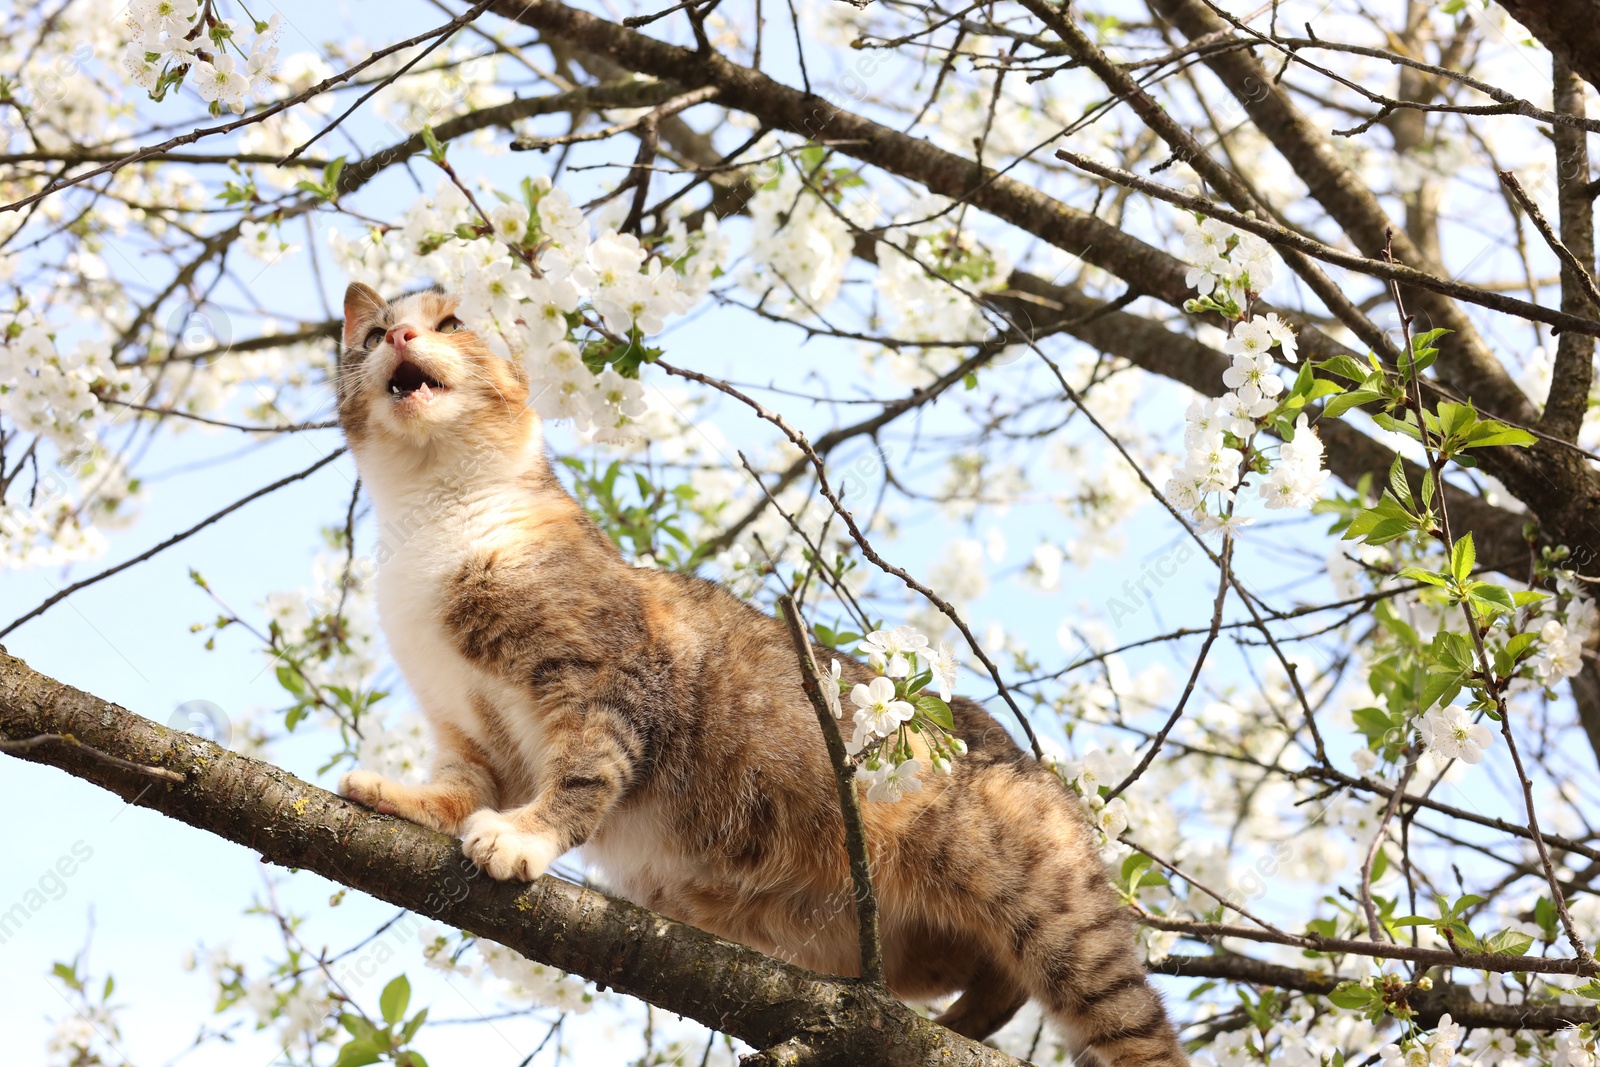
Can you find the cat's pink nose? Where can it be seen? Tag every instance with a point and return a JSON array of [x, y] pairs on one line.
[[400, 336]]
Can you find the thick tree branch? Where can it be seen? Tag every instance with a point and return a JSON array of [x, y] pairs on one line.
[[1430, 1005], [757, 999], [1569, 28], [1473, 367], [1573, 372]]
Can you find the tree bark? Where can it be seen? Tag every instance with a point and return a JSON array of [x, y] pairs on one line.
[[1569, 28], [836, 1022]]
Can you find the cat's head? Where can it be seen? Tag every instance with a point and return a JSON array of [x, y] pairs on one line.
[[412, 377]]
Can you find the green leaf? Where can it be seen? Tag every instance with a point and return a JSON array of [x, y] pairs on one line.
[[1489, 432], [1453, 650], [68, 975], [1382, 523], [1490, 597], [1510, 943], [1463, 557], [1351, 995], [1389, 422], [1384, 612], [357, 1054], [935, 709], [436, 150], [1346, 367], [1418, 574], [1442, 688], [1454, 418], [410, 1029], [1399, 486], [291, 679], [1544, 913], [1519, 645], [1423, 340], [1321, 388], [1374, 723], [394, 999], [1353, 399]]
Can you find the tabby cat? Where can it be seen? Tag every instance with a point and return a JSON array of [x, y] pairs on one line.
[[658, 722]]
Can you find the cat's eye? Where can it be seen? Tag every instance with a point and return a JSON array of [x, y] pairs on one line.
[[374, 338], [450, 324]]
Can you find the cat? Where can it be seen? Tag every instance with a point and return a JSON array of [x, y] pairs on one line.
[[658, 722]]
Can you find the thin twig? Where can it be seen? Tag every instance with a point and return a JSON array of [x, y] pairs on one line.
[[61, 594], [16, 748], [855, 827], [1286, 238], [1542, 224]]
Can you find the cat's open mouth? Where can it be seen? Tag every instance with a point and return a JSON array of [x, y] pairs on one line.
[[410, 380]]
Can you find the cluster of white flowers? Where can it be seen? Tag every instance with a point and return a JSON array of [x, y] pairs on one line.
[[56, 395], [177, 40], [83, 1036], [543, 986], [1224, 259], [1298, 475], [298, 1012], [52, 393], [542, 288], [798, 245], [922, 303], [1574, 1047], [1560, 654], [1086, 775], [883, 708], [1228, 269], [1436, 1051], [264, 241]]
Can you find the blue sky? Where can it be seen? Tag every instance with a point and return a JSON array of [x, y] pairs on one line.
[[154, 887]]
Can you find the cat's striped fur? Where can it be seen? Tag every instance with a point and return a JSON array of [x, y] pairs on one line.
[[658, 722]]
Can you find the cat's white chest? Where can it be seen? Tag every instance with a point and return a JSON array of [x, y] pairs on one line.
[[421, 557], [411, 591]]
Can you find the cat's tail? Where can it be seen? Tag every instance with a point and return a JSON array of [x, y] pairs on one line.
[[1073, 947], [1091, 982]]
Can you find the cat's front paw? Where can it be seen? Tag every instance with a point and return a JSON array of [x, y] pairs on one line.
[[366, 789], [494, 843]]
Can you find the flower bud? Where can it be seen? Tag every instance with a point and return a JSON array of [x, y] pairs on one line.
[[959, 746]]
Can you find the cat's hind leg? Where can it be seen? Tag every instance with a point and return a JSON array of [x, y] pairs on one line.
[[986, 1005]]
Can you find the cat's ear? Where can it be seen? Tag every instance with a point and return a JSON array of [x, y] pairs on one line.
[[362, 305]]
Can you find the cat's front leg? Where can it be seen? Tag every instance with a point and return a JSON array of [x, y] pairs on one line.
[[459, 784], [590, 757]]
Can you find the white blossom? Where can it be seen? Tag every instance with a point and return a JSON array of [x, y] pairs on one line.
[[888, 783], [1451, 734], [878, 711]]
